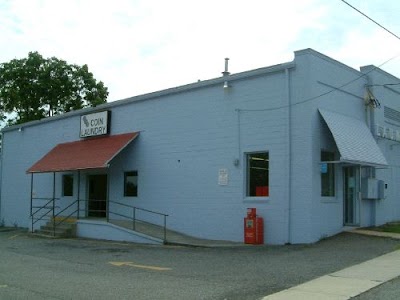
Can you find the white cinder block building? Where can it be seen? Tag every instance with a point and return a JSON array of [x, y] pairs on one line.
[[312, 144]]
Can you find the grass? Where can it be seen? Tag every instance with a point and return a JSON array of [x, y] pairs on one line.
[[388, 227]]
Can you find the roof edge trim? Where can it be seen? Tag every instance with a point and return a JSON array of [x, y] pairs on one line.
[[160, 93]]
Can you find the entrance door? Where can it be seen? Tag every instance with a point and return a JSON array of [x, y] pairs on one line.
[[97, 204], [351, 191]]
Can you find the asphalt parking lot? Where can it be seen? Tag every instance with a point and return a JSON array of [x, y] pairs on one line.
[[40, 268], [387, 291]]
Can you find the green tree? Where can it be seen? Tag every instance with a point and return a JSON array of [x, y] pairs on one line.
[[35, 87]]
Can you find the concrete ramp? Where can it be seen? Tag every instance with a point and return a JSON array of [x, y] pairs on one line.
[[102, 230], [144, 233], [172, 237]]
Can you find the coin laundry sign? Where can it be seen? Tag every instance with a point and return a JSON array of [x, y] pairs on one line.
[[95, 124]]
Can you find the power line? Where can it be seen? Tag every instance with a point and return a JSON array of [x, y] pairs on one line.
[[359, 11], [384, 84], [343, 85], [322, 94]]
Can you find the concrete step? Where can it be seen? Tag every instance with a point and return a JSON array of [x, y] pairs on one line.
[[51, 233], [56, 233], [58, 227], [61, 231]]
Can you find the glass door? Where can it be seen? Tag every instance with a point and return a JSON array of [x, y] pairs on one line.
[[97, 196], [351, 201]]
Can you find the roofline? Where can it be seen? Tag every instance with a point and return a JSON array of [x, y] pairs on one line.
[[372, 68], [310, 51], [161, 93]]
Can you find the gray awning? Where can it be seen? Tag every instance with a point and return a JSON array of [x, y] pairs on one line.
[[354, 140]]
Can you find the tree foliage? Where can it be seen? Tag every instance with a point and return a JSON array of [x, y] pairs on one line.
[[35, 87]]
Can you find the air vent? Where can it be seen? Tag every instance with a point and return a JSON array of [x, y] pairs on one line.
[[392, 114]]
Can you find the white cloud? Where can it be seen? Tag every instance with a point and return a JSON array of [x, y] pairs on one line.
[[138, 46]]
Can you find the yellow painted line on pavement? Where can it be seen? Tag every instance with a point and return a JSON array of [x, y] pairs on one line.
[[13, 237], [3, 286], [132, 264]]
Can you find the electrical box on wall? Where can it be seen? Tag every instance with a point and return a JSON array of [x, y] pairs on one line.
[[369, 188], [381, 189]]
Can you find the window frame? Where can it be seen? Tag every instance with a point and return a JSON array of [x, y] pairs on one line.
[[126, 175], [64, 176], [249, 195], [330, 190]]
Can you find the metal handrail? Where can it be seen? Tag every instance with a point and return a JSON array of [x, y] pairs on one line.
[[133, 218], [65, 208], [45, 206], [50, 206], [41, 207], [42, 217]]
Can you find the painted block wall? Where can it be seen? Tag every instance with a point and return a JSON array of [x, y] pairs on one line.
[[388, 95], [300, 215], [185, 138], [188, 134], [21, 148], [321, 74]]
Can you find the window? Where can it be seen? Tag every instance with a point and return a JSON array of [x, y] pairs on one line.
[[258, 174], [327, 174], [131, 184], [68, 185]]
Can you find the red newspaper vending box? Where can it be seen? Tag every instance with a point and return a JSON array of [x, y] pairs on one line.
[[253, 228]]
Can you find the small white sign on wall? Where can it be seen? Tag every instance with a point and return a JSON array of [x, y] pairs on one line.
[[223, 177]]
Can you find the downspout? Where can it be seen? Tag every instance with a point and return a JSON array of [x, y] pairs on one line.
[[78, 194], [359, 195], [108, 195], [370, 119], [289, 160], [1, 170], [31, 196], [238, 139], [54, 203]]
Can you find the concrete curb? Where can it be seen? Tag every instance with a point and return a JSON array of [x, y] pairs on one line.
[[7, 229], [346, 283], [377, 233], [351, 281]]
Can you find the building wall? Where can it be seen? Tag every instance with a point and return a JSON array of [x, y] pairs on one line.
[[387, 94], [185, 139], [189, 133], [21, 148], [325, 84]]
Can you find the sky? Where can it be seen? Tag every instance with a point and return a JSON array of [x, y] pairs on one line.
[[141, 46]]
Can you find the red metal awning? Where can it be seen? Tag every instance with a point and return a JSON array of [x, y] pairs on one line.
[[94, 153]]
